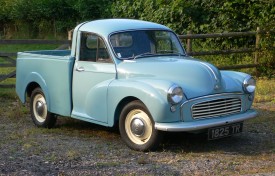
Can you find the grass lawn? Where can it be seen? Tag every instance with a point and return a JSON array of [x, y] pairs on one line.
[[31, 47], [265, 90]]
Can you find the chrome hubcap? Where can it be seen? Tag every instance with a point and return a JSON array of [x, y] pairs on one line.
[[40, 108], [137, 127]]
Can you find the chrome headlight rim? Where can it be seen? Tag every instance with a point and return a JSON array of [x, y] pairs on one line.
[[175, 94], [249, 84]]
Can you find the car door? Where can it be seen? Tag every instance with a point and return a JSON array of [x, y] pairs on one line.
[[92, 74]]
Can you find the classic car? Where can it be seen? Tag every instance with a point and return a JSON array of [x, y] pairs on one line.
[[135, 74]]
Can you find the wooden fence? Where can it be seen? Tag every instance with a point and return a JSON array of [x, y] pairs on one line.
[[256, 50], [10, 61]]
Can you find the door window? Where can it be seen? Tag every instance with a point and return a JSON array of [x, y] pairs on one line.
[[93, 49]]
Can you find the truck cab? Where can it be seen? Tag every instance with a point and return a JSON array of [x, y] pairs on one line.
[[136, 74]]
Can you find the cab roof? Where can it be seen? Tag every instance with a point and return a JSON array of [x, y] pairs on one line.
[[108, 26]]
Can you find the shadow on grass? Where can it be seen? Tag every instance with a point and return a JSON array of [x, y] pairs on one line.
[[76, 127], [258, 137], [250, 142]]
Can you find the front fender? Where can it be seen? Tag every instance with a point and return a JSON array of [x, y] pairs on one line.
[[154, 98], [234, 80]]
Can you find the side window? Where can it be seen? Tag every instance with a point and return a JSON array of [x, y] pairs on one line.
[[93, 49]]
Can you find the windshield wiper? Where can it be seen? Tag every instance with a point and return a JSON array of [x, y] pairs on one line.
[[144, 55], [139, 55], [167, 52]]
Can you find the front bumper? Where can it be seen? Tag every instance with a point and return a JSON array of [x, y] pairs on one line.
[[205, 123]]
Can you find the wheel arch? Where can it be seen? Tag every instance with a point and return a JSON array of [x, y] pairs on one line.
[[33, 81], [121, 105], [124, 91], [30, 87]]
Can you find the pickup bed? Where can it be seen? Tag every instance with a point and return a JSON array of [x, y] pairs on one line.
[[135, 74], [48, 69]]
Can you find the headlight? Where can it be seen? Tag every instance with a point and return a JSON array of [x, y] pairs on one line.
[[249, 84], [175, 94]]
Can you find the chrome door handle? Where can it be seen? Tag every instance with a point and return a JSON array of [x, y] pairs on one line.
[[80, 69]]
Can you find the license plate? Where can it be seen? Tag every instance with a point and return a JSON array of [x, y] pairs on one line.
[[224, 131]]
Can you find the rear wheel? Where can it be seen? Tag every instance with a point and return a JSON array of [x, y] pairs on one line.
[[136, 127], [39, 110]]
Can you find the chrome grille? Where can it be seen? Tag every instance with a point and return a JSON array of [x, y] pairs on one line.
[[216, 108]]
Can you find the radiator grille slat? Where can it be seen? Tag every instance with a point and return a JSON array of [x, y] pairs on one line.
[[236, 107], [216, 108]]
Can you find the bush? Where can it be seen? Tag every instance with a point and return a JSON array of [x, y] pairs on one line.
[[45, 17], [53, 18]]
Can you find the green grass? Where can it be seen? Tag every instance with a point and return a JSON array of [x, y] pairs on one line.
[[19, 48], [7, 94], [265, 90], [26, 47]]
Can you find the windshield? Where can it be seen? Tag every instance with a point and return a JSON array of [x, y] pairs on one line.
[[143, 43]]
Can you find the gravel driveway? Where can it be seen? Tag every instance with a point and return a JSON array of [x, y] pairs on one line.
[[79, 148]]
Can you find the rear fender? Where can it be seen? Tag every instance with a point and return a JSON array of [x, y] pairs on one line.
[[34, 77]]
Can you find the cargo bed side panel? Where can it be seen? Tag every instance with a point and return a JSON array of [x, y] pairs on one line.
[[54, 75]]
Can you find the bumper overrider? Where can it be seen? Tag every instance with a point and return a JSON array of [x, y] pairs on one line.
[[205, 123]]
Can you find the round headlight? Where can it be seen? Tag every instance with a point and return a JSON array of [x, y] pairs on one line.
[[249, 84], [175, 94]]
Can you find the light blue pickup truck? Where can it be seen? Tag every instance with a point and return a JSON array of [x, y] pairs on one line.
[[135, 74]]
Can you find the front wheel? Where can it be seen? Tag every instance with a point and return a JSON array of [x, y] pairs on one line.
[[39, 110], [137, 127]]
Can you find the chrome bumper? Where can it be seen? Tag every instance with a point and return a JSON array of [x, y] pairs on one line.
[[205, 123]]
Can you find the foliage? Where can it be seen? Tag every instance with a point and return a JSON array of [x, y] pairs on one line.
[[200, 16], [212, 16], [53, 18], [40, 17]]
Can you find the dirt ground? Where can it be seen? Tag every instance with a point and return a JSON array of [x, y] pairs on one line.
[[78, 148]]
